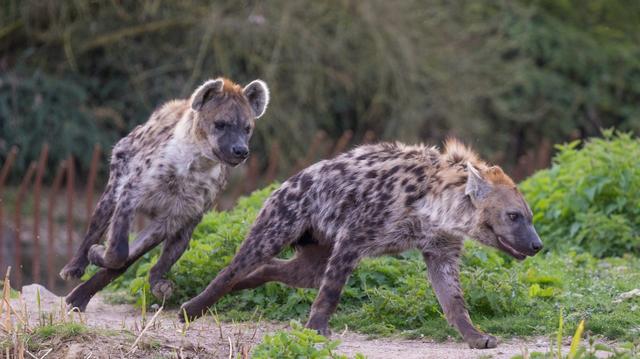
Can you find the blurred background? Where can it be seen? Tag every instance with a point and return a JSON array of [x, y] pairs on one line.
[[510, 78]]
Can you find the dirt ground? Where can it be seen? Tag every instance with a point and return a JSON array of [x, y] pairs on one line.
[[115, 329]]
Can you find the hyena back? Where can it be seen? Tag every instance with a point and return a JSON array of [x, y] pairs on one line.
[[171, 169], [378, 199]]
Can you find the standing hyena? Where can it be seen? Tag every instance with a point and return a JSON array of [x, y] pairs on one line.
[[171, 168], [378, 199]]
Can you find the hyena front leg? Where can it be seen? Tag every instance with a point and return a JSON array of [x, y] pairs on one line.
[[341, 263], [150, 237], [443, 271], [114, 255], [173, 248], [99, 222]]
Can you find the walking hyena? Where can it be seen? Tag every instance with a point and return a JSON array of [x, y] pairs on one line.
[[171, 168], [378, 199]]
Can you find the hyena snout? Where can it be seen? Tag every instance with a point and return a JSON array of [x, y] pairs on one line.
[[240, 151], [529, 242]]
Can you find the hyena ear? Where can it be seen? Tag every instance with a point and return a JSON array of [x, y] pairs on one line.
[[258, 94], [205, 92], [477, 187]]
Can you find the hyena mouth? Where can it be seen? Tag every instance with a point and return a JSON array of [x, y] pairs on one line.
[[504, 246]]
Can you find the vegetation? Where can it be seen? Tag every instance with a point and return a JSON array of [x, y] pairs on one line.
[[589, 200], [297, 343], [391, 294], [625, 350], [541, 71]]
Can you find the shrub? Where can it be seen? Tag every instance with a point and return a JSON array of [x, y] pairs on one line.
[[590, 198]]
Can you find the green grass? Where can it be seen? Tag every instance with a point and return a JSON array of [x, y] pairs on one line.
[[60, 331], [57, 332]]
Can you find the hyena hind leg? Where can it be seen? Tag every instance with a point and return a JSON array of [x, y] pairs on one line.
[[114, 255], [266, 239], [80, 296], [341, 263], [305, 270], [97, 227]]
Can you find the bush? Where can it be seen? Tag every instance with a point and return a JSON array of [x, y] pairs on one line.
[[590, 198], [391, 294]]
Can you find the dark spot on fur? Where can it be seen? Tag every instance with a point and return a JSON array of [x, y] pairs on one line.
[[390, 172], [412, 199], [305, 182]]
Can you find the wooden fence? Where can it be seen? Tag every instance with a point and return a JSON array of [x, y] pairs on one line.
[[65, 187]]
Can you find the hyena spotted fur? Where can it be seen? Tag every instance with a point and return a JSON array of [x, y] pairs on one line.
[[373, 200], [170, 169]]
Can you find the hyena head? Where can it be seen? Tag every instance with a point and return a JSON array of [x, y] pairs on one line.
[[503, 218], [225, 115]]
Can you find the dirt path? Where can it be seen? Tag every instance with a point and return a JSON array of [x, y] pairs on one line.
[[114, 328]]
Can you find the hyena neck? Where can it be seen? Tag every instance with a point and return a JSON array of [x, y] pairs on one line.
[[194, 146], [450, 211]]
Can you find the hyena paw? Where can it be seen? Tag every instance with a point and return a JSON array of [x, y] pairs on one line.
[[77, 300], [162, 289], [322, 329], [482, 341], [189, 311], [72, 271]]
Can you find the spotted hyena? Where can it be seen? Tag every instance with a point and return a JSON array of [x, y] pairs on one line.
[[373, 200], [171, 169]]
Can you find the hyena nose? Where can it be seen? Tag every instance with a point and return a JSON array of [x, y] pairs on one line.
[[240, 151], [536, 246]]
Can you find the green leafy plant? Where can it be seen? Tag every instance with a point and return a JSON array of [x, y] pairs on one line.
[[298, 343], [590, 198]]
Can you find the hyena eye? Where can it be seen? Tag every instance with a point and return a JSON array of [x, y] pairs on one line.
[[247, 129], [220, 125], [513, 216]]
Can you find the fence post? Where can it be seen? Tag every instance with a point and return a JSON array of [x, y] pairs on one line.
[[93, 171], [35, 262], [342, 143], [313, 149], [18, 223], [4, 174], [274, 157], [70, 178], [53, 195], [368, 137]]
